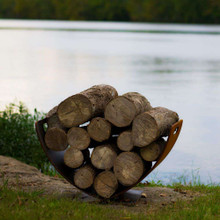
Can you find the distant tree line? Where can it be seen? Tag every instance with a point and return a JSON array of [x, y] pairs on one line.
[[181, 11]]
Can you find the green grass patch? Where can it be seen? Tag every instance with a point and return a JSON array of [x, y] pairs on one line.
[[203, 207], [22, 205]]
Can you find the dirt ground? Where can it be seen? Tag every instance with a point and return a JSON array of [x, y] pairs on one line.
[[22, 176]]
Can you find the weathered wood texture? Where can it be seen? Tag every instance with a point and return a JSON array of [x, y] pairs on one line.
[[105, 184], [122, 110], [73, 157], [99, 129], [150, 125], [124, 141], [103, 156], [84, 177], [128, 168], [56, 139], [81, 107], [140, 102], [78, 138], [152, 151]]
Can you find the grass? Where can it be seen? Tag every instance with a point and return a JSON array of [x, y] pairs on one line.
[[23, 205]]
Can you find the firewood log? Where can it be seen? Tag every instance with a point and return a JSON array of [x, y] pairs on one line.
[[152, 151], [99, 129], [73, 157], [128, 168], [85, 105], [122, 110], [84, 177], [53, 120], [103, 156], [150, 125], [124, 141], [56, 139], [78, 138], [105, 184]]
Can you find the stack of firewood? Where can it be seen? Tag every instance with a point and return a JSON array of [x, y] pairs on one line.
[[109, 140]]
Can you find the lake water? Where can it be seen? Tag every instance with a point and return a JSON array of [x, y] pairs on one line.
[[175, 66]]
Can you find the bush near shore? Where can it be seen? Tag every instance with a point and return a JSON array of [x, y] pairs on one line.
[[18, 138]]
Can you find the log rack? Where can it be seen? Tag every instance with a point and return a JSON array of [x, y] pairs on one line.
[[56, 159]]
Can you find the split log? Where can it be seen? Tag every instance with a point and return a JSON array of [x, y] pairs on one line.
[[124, 141], [73, 157], [122, 110], [84, 177], [150, 125], [56, 139], [103, 156], [99, 129], [128, 168], [153, 150], [105, 184], [78, 138], [81, 107]]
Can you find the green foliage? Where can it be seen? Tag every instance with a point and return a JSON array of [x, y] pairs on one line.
[[183, 11], [18, 138]]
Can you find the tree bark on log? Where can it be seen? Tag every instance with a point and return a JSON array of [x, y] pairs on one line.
[[73, 157], [140, 102], [122, 110], [152, 151], [105, 184], [78, 138], [128, 168], [99, 129], [81, 107], [56, 139], [103, 156], [84, 177], [124, 141], [150, 125]]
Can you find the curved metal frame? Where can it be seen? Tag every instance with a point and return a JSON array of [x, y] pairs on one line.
[[56, 157]]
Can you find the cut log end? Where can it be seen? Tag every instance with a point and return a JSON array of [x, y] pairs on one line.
[[78, 138], [105, 184], [56, 139], [144, 130], [99, 129], [84, 177], [153, 150], [150, 125], [74, 110], [124, 141], [73, 158], [128, 168], [120, 112], [103, 157]]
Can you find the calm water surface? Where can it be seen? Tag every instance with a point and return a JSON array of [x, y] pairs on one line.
[[179, 71]]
